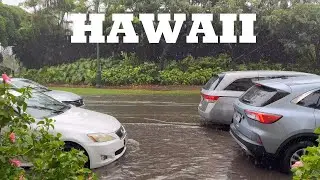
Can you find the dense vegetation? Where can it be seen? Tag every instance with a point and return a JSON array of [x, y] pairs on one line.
[[128, 71], [308, 166], [23, 139], [287, 31]]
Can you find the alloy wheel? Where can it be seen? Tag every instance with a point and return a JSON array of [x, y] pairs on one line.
[[296, 156]]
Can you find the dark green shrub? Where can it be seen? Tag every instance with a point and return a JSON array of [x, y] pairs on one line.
[[130, 71]]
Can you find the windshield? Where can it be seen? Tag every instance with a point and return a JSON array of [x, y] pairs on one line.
[[22, 83], [41, 106]]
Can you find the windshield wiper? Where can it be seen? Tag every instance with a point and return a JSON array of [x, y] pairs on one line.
[[45, 108], [41, 88]]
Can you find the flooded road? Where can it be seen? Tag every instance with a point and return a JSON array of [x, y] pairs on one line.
[[146, 109], [165, 142]]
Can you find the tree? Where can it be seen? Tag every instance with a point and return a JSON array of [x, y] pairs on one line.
[[298, 29]]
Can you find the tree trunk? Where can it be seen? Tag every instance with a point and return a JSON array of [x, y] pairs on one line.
[[163, 56]]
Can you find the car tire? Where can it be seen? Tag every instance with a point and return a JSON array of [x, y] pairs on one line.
[[285, 165], [203, 122], [69, 145]]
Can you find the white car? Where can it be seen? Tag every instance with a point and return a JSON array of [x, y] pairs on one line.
[[100, 136], [62, 96]]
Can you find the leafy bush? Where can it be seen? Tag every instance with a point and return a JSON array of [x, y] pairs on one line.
[[128, 74], [130, 71], [24, 139], [309, 166]]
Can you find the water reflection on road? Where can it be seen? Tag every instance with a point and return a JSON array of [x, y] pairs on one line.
[[183, 152], [159, 148]]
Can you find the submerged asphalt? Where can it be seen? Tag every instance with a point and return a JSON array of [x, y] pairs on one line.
[[166, 142]]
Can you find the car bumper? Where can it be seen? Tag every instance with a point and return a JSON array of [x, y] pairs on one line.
[[209, 117], [102, 154], [249, 146]]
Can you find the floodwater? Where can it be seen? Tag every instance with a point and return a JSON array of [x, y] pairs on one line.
[[166, 142], [146, 109]]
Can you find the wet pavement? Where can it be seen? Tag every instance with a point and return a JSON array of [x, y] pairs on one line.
[[146, 109], [165, 142]]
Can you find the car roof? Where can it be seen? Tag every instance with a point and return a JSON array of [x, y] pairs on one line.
[[302, 83], [292, 81], [14, 79], [263, 72]]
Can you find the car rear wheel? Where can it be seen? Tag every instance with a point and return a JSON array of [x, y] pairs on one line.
[[293, 154], [203, 122], [69, 145]]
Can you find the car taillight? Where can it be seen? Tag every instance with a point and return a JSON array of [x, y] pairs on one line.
[[263, 117], [210, 98]]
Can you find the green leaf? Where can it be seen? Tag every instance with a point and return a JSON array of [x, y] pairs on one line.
[[40, 122], [317, 131]]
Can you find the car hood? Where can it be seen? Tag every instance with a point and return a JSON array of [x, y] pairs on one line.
[[78, 119], [62, 95]]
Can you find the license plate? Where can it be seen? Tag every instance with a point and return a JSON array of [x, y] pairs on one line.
[[237, 117]]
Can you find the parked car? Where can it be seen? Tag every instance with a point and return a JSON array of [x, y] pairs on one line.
[[277, 118], [62, 96], [100, 136], [220, 92]]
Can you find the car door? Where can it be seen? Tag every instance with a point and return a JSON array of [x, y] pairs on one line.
[[310, 102]]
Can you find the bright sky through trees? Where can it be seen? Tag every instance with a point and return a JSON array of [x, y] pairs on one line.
[[12, 2]]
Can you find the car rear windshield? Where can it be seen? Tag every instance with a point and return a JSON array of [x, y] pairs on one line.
[[213, 82], [259, 96]]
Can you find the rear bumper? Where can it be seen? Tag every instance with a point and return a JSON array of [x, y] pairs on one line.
[[250, 147], [211, 117]]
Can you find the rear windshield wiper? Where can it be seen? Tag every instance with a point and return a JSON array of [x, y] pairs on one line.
[[246, 100]]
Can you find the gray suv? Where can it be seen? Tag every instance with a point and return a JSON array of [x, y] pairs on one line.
[[276, 118], [220, 92]]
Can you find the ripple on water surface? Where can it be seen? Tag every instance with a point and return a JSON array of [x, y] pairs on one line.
[[182, 152]]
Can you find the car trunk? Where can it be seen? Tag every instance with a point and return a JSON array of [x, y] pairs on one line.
[[252, 102]]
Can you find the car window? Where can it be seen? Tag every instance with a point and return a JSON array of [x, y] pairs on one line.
[[259, 96], [213, 82], [311, 100], [210, 82], [240, 84]]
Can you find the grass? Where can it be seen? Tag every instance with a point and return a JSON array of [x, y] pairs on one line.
[[104, 91]]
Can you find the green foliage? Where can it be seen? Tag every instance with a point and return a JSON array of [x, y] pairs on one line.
[[192, 71], [298, 29], [311, 163], [23, 139], [10, 21], [130, 71]]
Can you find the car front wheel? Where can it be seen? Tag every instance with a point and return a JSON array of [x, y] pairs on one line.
[[70, 145]]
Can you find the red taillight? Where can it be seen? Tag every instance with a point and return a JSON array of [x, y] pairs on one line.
[[209, 97], [263, 117]]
